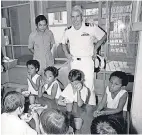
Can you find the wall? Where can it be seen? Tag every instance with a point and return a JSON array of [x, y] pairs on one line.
[[24, 23], [137, 92]]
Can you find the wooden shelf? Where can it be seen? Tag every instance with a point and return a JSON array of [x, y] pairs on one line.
[[11, 6], [5, 27]]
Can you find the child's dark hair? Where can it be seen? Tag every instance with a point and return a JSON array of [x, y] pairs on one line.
[[54, 122], [102, 124], [13, 100], [121, 75], [35, 63], [75, 75], [40, 18], [54, 70]]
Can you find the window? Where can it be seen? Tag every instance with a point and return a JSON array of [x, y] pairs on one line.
[[57, 24], [57, 18]]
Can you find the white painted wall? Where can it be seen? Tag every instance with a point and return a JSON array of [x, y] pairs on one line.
[[136, 111]]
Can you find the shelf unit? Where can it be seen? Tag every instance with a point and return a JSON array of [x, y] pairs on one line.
[[11, 39]]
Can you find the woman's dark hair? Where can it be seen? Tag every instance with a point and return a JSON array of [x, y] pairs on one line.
[[54, 122], [54, 70], [102, 124], [40, 18], [76, 75], [35, 63], [121, 75]]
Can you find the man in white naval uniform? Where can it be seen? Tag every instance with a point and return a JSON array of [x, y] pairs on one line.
[[79, 43]]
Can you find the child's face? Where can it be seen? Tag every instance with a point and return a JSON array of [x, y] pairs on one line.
[[42, 25], [77, 85], [49, 77], [31, 70], [115, 84]]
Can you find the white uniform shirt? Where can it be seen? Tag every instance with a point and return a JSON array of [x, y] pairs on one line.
[[71, 97], [30, 87], [113, 103], [48, 90], [13, 125], [81, 41]]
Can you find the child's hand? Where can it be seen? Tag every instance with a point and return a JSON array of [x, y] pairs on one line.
[[97, 113], [42, 83], [35, 116], [29, 76], [78, 87]]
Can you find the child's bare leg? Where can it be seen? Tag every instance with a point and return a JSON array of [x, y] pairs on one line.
[[32, 99]]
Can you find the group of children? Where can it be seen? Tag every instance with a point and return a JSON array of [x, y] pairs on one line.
[[48, 85], [114, 100]]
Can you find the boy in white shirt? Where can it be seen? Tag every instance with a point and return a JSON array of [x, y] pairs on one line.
[[115, 98], [75, 91], [11, 124], [33, 79]]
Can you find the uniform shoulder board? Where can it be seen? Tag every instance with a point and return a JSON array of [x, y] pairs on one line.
[[68, 28], [86, 24]]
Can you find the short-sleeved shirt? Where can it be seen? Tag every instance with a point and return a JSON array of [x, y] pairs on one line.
[[41, 43], [81, 41], [113, 103], [13, 125], [49, 89], [69, 95]]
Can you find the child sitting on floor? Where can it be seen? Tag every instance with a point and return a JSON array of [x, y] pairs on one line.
[[11, 124], [50, 88], [115, 97], [54, 122], [33, 79], [75, 90]]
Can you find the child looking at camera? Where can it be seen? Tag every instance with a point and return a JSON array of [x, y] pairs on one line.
[[75, 90], [115, 98], [33, 79], [50, 88]]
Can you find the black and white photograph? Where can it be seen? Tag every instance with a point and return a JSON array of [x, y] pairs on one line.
[[71, 67]]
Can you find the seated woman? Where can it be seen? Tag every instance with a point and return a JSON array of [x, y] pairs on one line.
[[108, 125], [54, 122], [115, 98], [75, 90]]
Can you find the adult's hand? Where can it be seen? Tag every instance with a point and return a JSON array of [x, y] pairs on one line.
[[69, 57], [94, 57], [97, 113]]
